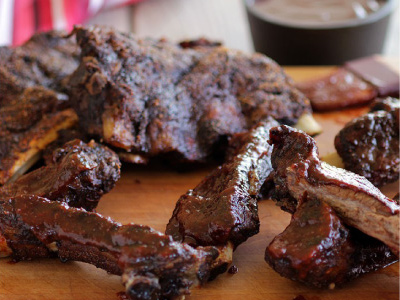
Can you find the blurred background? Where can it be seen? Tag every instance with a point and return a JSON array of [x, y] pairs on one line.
[[222, 20]]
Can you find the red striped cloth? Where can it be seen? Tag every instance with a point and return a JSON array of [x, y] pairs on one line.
[[19, 19]]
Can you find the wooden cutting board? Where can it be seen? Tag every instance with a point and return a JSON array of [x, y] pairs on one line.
[[148, 196]]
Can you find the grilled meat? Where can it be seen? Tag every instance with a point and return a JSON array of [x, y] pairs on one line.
[[369, 145], [43, 61], [153, 98], [317, 249], [152, 265], [32, 99], [77, 174], [26, 128], [222, 209], [200, 42], [338, 90], [299, 172]]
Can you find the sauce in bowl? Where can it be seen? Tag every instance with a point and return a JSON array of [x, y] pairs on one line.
[[317, 12]]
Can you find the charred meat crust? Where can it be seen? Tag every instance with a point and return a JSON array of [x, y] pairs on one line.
[[43, 61], [223, 207], [33, 97], [25, 132], [369, 145], [152, 265], [152, 97], [77, 174]]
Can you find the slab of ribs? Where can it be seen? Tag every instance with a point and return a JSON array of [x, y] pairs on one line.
[[152, 98], [181, 103]]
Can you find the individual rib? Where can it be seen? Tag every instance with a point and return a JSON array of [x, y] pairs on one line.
[[152, 265], [299, 172], [222, 209]]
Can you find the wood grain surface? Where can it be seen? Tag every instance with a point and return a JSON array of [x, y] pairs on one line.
[[148, 195]]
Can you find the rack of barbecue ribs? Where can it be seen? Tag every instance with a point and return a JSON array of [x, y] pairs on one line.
[[222, 209], [152, 98], [369, 145], [318, 247], [33, 102]]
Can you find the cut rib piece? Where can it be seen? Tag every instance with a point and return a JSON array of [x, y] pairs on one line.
[[153, 98], [317, 249], [77, 174], [152, 265], [369, 145], [21, 145], [222, 209], [299, 172]]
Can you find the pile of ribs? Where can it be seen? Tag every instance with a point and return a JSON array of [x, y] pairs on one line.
[[342, 225], [83, 101]]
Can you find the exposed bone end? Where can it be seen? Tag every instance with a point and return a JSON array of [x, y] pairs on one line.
[[5, 251], [308, 124], [116, 131], [141, 287], [133, 158], [47, 132], [224, 259], [52, 247], [333, 159]]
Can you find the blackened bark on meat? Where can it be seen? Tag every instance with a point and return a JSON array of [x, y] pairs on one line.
[[43, 61], [200, 42], [33, 99], [369, 145], [77, 174], [317, 249], [152, 265], [153, 98], [223, 207]]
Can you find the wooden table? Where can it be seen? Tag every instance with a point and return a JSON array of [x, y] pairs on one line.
[[148, 196]]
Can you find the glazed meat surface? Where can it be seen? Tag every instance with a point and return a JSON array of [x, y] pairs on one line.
[[223, 207], [369, 145], [153, 98], [299, 172], [77, 174], [152, 265], [317, 249], [338, 90]]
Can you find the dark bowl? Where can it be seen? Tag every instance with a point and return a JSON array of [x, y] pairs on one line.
[[325, 44]]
